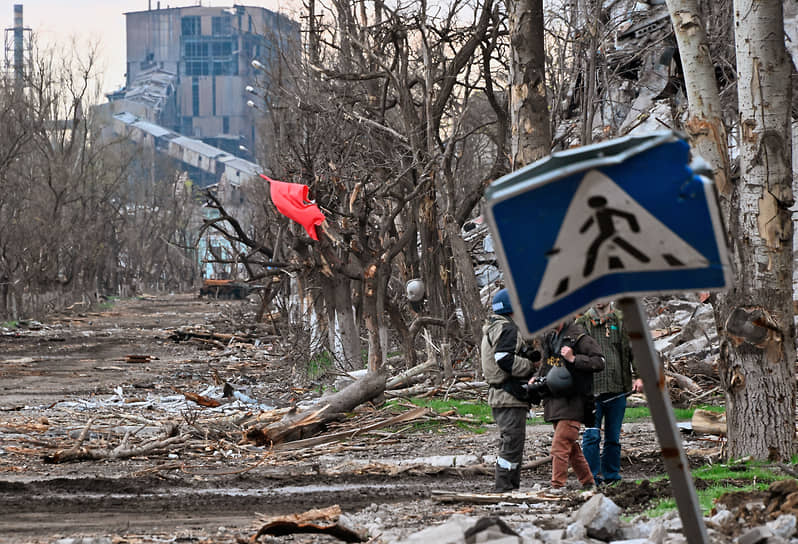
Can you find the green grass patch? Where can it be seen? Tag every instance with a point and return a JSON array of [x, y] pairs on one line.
[[537, 420], [477, 411], [660, 508], [639, 413], [636, 413], [755, 471], [473, 410], [713, 481], [319, 364], [684, 414]]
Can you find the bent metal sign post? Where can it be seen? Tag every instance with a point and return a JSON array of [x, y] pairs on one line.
[[613, 221]]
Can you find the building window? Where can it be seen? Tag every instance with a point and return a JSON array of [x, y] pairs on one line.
[[190, 25], [222, 49], [197, 68], [226, 124], [222, 68], [195, 98], [195, 49], [221, 26]]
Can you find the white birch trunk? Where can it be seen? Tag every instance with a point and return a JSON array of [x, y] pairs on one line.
[[704, 121], [757, 335]]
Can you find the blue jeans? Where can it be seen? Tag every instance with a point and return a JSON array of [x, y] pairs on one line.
[[605, 466]]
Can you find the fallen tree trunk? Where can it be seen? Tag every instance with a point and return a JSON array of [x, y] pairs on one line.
[[707, 422], [684, 382], [402, 379], [296, 425], [322, 439]]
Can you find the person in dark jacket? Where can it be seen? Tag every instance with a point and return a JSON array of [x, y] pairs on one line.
[[570, 357], [507, 363]]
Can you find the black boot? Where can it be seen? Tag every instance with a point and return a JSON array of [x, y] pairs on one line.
[[503, 480], [515, 477]]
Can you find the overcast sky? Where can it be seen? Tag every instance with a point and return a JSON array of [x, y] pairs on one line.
[[57, 22]]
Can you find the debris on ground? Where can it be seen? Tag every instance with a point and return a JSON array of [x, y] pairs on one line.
[[111, 420]]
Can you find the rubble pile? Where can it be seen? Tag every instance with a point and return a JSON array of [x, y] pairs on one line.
[[739, 518]]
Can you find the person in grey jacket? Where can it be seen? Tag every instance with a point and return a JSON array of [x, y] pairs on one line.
[[507, 363]]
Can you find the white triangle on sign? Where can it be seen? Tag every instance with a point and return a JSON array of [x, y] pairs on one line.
[[605, 231]]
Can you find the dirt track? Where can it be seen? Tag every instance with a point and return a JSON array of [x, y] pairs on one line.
[[59, 375]]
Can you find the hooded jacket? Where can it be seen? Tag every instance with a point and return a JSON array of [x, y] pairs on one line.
[[501, 363]]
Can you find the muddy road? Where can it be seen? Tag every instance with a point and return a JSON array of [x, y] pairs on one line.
[[111, 384]]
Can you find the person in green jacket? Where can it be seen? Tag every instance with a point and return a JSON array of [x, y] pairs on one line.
[[507, 363], [610, 387]]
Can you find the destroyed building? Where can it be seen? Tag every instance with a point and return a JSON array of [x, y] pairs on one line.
[[188, 70]]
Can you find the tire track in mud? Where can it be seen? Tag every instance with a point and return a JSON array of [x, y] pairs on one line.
[[89, 504]]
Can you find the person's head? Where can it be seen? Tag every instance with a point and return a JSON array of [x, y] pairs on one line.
[[603, 307], [501, 303]]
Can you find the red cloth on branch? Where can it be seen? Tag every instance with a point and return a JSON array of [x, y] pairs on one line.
[[291, 200]]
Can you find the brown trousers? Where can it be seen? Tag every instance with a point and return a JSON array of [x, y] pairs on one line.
[[565, 451]]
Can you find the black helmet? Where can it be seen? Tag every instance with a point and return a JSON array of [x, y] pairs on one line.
[[559, 381], [501, 302]]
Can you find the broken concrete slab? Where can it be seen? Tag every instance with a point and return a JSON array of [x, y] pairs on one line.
[[600, 517]]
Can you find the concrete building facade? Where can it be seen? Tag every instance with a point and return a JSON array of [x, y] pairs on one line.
[[189, 66]]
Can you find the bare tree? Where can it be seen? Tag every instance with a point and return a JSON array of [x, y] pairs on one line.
[[757, 362], [382, 121], [68, 227], [755, 318]]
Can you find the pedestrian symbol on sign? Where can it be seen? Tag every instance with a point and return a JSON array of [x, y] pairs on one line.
[[606, 228], [619, 235]]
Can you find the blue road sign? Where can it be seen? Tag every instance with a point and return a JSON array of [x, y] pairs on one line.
[[626, 217]]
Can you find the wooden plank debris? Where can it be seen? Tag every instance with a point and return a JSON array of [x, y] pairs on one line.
[[317, 521], [138, 358], [193, 333], [123, 451], [199, 399], [707, 422]]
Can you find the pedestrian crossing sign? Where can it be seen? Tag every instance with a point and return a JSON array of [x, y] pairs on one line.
[[626, 217]]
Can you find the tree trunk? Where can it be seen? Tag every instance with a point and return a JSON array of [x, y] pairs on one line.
[[346, 338], [593, 27], [704, 121], [435, 269], [466, 282], [371, 317], [757, 351], [529, 112]]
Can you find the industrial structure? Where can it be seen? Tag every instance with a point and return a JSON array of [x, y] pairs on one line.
[[188, 68], [185, 97], [16, 43]]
